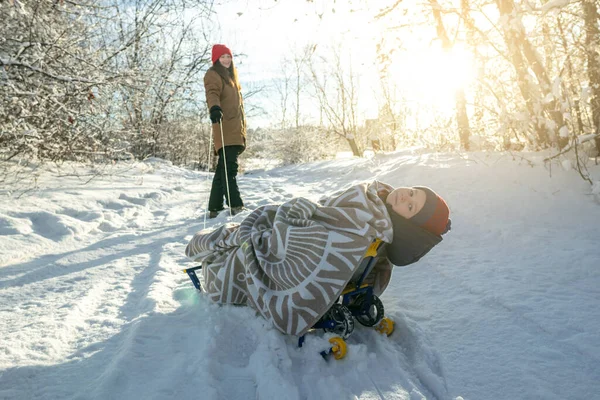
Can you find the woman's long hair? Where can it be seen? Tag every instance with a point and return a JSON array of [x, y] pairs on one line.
[[230, 74]]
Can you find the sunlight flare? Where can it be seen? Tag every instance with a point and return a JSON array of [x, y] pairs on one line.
[[433, 75]]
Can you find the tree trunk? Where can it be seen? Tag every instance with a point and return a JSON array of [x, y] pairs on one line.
[[552, 107], [524, 57], [462, 118], [571, 72], [592, 38], [510, 38], [354, 147], [464, 130]]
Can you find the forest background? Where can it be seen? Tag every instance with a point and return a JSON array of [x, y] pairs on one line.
[[109, 80]]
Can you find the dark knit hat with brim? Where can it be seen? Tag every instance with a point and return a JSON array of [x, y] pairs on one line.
[[410, 241], [434, 216], [415, 237]]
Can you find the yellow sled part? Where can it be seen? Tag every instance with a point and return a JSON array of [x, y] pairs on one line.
[[338, 348], [386, 326]]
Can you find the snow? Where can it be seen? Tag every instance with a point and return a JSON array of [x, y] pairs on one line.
[[94, 303]]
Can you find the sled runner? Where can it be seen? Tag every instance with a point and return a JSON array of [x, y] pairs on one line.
[[191, 272], [357, 301]]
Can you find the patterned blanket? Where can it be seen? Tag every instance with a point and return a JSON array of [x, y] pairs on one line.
[[292, 261]]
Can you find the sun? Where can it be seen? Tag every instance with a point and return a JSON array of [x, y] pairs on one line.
[[433, 75]]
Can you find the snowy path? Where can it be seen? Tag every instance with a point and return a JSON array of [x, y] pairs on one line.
[[94, 304]]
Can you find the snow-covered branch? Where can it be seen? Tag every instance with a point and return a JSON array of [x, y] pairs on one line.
[[9, 62], [575, 142]]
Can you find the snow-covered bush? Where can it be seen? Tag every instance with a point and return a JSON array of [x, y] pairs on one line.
[[48, 78], [291, 146]]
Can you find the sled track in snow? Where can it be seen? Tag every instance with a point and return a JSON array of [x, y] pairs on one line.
[[418, 360]]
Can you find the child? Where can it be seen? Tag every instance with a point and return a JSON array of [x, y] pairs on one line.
[[291, 262]]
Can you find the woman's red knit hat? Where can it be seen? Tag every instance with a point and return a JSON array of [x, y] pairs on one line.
[[434, 216], [218, 50]]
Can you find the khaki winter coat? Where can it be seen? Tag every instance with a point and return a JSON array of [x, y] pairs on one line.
[[229, 98]]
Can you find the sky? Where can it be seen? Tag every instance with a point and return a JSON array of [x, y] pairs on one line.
[[94, 303], [262, 34]]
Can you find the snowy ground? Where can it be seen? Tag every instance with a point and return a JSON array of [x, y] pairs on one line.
[[94, 303]]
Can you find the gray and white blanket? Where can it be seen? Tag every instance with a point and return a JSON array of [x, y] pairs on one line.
[[290, 262]]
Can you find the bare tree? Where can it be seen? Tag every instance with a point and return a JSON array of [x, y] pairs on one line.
[[336, 92], [300, 62], [291, 88], [157, 42], [282, 86]]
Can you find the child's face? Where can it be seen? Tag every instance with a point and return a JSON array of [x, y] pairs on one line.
[[406, 201]]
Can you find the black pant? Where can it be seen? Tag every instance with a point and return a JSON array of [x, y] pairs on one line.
[[219, 187]]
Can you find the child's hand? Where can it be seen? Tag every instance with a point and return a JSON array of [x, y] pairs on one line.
[[383, 194]]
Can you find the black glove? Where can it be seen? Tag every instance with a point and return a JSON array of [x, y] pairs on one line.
[[216, 114]]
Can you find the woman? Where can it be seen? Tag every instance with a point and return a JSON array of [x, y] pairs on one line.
[[226, 108], [291, 261]]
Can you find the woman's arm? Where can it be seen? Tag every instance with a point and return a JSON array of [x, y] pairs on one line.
[[213, 86]]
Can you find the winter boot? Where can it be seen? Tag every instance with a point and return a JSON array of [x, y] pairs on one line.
[[237, 210]]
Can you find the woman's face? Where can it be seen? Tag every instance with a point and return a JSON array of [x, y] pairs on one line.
[[225, 60], [406, 201]]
